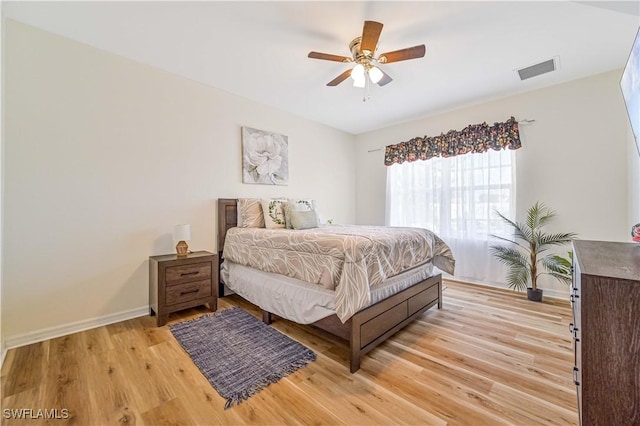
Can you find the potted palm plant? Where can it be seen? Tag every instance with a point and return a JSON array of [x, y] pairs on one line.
[[526, 255]]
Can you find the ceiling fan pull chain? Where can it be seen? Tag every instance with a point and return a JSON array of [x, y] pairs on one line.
[[367, 82]]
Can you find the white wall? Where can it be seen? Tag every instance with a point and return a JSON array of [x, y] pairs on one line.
[[104, 156], [574, 157], [3, 349], [634, 181]]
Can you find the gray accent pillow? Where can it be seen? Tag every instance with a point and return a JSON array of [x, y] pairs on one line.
[[297, 205], [304, 220]]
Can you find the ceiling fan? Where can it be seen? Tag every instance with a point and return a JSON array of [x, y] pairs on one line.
[[363, 51]]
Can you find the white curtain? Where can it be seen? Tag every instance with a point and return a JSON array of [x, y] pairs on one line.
[[457, 198]]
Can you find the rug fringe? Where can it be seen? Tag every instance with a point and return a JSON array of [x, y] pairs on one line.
[[210, 314], [272, 378]]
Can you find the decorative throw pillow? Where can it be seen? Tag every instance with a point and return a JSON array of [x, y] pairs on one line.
[[273, 212], [250, 213], [296, 205], [304, 220]]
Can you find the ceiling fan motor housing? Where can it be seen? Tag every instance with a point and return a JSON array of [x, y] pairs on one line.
[[359, 56]]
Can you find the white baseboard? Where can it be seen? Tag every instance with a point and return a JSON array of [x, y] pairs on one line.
[[70, 328], [554, 294]]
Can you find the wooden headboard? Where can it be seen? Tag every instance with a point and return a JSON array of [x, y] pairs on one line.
[[227, 218]]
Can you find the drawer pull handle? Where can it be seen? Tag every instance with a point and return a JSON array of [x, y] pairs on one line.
[[575, 376], [184, 274], [182, 293], [574, 331]]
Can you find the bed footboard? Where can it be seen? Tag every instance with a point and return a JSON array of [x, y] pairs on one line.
[[376, 323]]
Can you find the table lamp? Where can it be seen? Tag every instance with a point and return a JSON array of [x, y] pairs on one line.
[[182, 234]]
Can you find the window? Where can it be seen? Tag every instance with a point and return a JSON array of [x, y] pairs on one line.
[[457, 197]]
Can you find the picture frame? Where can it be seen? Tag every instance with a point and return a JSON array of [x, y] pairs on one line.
[[265, 157]]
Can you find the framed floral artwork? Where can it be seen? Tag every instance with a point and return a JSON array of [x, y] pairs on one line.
[[265, 157]]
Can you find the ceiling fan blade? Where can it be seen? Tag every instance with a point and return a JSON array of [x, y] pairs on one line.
[[402, 54], [328, 57], [370, 35], [339, 79], [385, 79]]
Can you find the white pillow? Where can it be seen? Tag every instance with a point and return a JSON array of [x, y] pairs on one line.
[[273, 212]]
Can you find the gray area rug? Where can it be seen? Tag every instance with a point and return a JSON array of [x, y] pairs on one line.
[[239, 354]]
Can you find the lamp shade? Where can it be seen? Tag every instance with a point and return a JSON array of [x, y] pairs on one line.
[[375, 74], [357, 72], [182, 233]]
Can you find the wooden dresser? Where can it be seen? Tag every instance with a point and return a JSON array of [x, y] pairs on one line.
[[177, 283], [606, 330]]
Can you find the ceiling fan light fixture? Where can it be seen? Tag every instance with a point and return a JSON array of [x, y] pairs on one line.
[[357, 72], [375, 74], [359, 81]]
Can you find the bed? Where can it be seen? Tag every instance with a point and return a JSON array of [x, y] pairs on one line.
[[389, 304]]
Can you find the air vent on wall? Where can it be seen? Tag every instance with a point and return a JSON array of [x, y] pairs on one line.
[[537, 69]]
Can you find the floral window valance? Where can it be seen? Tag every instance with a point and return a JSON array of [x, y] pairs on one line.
[[473, 138]]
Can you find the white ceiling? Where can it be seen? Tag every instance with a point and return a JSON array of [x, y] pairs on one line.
[[258, 50]]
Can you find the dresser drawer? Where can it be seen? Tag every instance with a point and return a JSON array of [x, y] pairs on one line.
[[189, 291], [187, 273]]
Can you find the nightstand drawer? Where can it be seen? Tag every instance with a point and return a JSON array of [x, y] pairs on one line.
[[188, 273], [186, 292]]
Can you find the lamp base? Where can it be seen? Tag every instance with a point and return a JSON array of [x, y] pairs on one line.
[[182, 249]]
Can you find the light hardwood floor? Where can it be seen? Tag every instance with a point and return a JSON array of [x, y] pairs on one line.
[[488, 357]]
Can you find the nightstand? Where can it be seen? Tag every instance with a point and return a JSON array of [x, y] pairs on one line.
[[177, 283]]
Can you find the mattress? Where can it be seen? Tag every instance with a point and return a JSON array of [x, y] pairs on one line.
[[348, 259], [300, 301]]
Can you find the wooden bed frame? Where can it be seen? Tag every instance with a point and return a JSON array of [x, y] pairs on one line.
[[372, 325]]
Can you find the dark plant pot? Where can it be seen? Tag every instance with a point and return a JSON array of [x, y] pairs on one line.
[[534, 295]]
